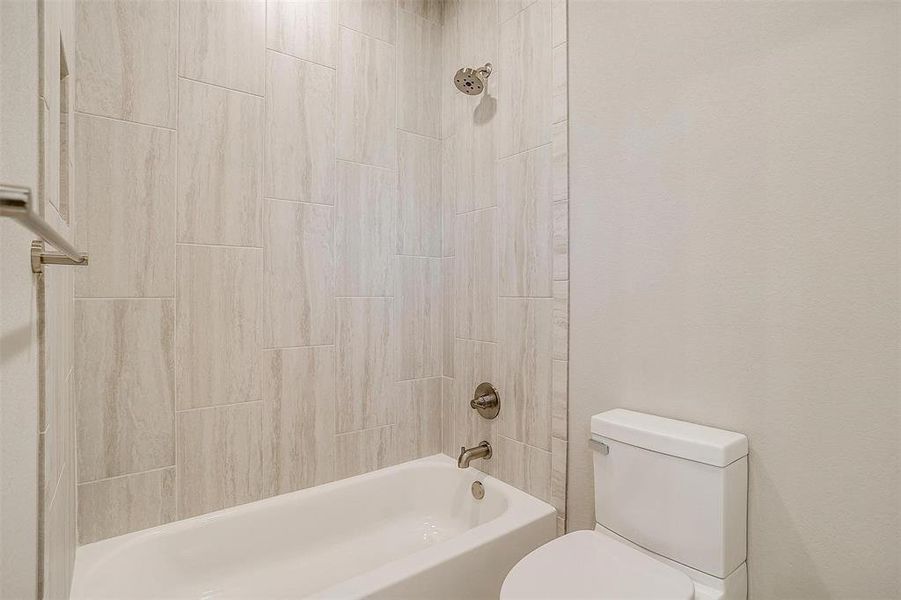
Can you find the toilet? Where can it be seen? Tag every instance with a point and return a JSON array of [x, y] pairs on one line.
[[671, 509]]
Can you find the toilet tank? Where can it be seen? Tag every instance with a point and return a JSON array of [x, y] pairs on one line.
[[677, 489]]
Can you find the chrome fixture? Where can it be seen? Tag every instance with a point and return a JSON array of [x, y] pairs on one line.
[[478, 490], [467, 455], [486, 401], [472, 81], [15, 202]]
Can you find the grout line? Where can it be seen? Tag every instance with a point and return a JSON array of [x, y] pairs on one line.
[[469, 212], [217, 246], [123, 475], [77, 298], [355, 431], [527, 150], [369, 35], [126, 121], [297, 347], [301, 59], [353, 162], [221, 87], [417, 134], [364, 297], [214, 406], [298, 201]]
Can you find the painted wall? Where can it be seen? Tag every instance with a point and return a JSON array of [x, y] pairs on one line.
[[259, 190], [735, 244], [505, 239]]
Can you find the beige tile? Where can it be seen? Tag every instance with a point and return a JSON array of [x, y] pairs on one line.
[[125, 185], [59, 542], [121, 505], [126, 55], [298, 418], [525, 467], [419, 195], [419, 89], [475, 276], [560, 151], [363, 451], [365, 230], [376, 18], [558, 475], [558, 16], [559, 402], [561, 526], [525, 76], [561, 241], [419, 419], [220, 165], [561, 320], [559, 101], [223, 42], [217, 326], [506, 9], [472, 168], [448, 300], [300, 130], [367, 373], [299, 274], [418, 317], [125, 386], [449, 441], [366, 100], [475, 362], [427, 9], [525, 223], [525, 362], [307, 29], [219, 458], [448, 194]]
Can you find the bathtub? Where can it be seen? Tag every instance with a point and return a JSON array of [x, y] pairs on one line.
[[409, 531]]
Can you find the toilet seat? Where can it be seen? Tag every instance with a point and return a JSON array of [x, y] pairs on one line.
[[588, 564]]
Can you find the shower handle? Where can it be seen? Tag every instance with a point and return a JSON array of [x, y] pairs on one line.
[[486, 401]]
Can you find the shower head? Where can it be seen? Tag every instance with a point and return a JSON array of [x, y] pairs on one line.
[[472, 81]]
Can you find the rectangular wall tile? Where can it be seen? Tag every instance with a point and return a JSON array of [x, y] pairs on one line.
[[419, 195], [558, 15], [126, 55], [298, 418], [473, 168], [220, 165], [525, 467], [307, 29], [525, 74], [475, 279], [365, 230], [561, 320], [474, 363], [223, 42], [219, 458], [125, 386], [560, 387], [449, 186], [560, 152], [419, 419], [299, 274], [217, 316], [120, 505], [558, 475], [448, 308], [525, 223], [366, 100], [419, 59], [559, 100], [448, 416], [125, 185], [427, 9], [363, 451], [367, 373], [300, 130], [376, 18], [526, 350], [507, 9], [561, 241], [419, 317]]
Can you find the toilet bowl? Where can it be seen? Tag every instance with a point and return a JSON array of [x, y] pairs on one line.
[[671, 510]]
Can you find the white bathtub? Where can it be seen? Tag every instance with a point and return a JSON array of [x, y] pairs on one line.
[[409, 531]]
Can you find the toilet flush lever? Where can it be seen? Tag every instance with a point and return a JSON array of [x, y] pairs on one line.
[[599, 446]]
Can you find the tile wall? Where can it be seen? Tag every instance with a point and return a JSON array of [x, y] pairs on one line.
[[505, 244], [260, 193]]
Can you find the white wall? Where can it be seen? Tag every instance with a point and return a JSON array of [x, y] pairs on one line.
[[735, 262]]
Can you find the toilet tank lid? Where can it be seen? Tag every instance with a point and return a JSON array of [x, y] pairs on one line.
[[690, 441]]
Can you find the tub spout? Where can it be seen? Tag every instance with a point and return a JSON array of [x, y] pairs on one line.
[[467, 455]]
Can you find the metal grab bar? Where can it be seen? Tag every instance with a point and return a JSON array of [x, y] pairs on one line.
[[15, 202]]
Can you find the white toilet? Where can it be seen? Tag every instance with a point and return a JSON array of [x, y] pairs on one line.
[[671, 518]]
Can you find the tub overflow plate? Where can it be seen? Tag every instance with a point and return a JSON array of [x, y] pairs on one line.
[[478, 490]]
